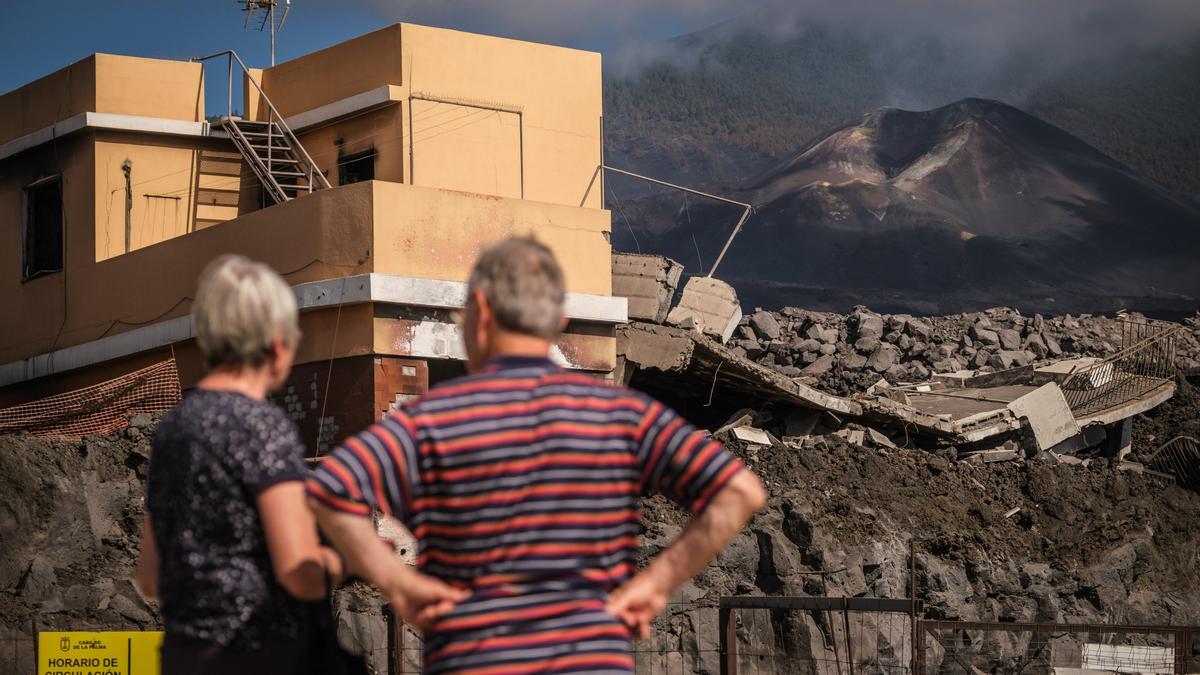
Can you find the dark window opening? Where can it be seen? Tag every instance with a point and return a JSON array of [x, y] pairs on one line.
[[43, 229], [356, 167]]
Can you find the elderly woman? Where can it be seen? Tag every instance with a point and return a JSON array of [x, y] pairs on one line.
[[229, 544]]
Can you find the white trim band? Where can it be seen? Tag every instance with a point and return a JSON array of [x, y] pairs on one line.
[[106, 121], [382, 288]]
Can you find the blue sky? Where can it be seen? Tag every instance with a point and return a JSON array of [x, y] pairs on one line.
[[38, 37]]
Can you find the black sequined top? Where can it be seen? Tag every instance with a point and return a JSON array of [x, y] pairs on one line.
[[211, 457]]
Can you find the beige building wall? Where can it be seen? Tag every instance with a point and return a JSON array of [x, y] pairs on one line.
[[474, 113], [437, 234], [556, 90], [105, 83], [31, 312], [162, 180], [53, 98], [367, 227], [129, 85], [334, 73], [540, 111]]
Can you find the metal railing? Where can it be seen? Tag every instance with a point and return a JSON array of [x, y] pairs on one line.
[[1145, 363], [971, 647], [289, 144], [1178, 458]]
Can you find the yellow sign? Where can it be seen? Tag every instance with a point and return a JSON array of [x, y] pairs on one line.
[[98, 653]]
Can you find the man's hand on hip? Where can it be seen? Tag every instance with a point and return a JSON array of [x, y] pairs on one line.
[[638, 601], [421, 599]]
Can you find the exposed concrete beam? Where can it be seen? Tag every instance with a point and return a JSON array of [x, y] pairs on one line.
[[104, 121], [382, 288], [438, 294]]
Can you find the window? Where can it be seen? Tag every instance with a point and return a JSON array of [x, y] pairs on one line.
[[43, 228], [356, 167]]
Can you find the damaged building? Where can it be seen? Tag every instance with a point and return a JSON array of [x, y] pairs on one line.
[[1017, 403], [369, 174]]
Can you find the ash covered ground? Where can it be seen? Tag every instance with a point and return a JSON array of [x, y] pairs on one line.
[[1088, 543]]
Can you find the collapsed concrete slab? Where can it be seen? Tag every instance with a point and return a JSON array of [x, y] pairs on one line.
[[709, 305], [648, 282], [685, 356], [1048, 414]]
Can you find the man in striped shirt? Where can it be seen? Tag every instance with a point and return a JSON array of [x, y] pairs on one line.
[[521, 483]]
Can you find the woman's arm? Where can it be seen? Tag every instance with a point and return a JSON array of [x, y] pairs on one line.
[[145, 577], [297, 557]]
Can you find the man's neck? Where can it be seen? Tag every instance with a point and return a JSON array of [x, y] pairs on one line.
[[516, 344]]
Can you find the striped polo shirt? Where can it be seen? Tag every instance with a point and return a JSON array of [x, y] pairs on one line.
[[522, 482]]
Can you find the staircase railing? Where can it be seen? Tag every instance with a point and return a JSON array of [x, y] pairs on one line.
[[1144, 365], [313, 175]]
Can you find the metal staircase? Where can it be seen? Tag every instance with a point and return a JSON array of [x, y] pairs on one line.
[[269, 147]]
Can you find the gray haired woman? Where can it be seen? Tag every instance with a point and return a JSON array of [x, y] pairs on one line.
[[229, 544]]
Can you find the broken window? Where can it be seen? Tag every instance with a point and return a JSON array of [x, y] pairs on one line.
[[42, 233], [357, 167]]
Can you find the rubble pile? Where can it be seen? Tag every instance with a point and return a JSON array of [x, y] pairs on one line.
[[846, 354]]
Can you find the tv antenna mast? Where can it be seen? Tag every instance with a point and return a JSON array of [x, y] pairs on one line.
[[263, 13]]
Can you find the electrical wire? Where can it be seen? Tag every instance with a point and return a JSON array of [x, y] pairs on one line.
[[621, 210]]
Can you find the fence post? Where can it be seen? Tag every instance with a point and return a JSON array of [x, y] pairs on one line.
[[1183, 650], [849, 644], [912, 592], [727, 626], [393, 654]]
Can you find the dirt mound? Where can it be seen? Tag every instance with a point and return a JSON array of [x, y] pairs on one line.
[[70, 516]]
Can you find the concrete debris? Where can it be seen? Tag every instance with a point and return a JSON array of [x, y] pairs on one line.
[[852, 436], [1049, 416], [765, 325], [648, 282], [710, 305], [944, 344], [879, 439], [753, 435], [989, 456]]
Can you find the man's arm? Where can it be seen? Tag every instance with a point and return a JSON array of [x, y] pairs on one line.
[[419, 598], [637, 602]]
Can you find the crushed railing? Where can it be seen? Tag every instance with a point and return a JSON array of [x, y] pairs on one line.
[[1145, 363], [1178, 458]]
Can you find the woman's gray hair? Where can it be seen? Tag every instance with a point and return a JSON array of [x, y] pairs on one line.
[[524, 286], [241, 306]]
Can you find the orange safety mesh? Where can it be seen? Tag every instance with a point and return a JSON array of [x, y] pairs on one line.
[[99, 409]]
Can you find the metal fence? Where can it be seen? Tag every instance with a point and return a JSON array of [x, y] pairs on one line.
[[816, 635], [1145, 363], [970, 648], [18, 654], [865, 636], [1178, 458]]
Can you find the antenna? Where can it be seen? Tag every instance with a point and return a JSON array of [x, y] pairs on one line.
[[263, 13]]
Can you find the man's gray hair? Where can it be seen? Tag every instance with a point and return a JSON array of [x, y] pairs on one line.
[[241, 306], [524, 286]]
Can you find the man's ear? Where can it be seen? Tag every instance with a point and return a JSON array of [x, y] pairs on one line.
[[482, 307]]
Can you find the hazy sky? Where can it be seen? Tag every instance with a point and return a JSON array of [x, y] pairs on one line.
[[39, 37]]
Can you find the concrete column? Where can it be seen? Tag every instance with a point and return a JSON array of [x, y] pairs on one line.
[[1119, 442]]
